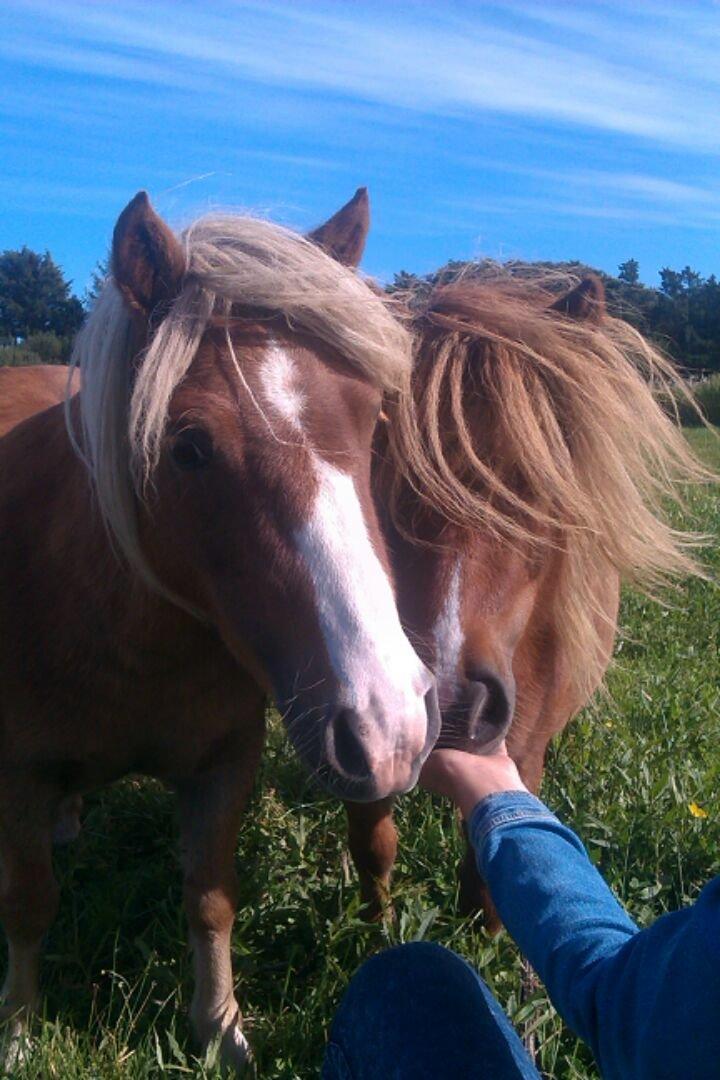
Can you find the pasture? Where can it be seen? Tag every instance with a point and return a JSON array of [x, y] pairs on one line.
[[638, 775]]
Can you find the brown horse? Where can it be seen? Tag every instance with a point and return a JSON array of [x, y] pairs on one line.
[[523, 480], [209, 537]]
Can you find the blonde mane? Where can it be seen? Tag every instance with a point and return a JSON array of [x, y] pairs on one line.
[[546, 433], [230, 260]]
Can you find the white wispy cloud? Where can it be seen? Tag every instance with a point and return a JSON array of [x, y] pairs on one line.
[[622, 182], [460, 114], [574, 207], [677, 40], [607, 73], [602, 194], [72, 200]]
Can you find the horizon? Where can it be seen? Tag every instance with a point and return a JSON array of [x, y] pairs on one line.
[[510, 131]]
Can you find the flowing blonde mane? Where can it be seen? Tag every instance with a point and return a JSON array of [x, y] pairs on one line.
[[546, 433], [230, 260]]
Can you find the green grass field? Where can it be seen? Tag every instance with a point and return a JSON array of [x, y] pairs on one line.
[[624, 775]]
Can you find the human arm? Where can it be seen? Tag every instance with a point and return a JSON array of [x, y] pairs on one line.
[[645, 1001]]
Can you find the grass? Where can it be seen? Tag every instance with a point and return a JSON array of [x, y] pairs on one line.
[[707, 395], [624, 775]]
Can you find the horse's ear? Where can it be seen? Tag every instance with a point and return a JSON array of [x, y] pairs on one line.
[[344, 235], [586, 302], [148, 262]]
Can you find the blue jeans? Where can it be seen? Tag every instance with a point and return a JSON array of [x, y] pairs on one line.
[[420, 1012]]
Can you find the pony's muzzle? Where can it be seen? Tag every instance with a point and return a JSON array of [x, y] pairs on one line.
[[480, 716], [375, 756]]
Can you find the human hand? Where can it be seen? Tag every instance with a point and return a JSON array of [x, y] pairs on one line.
[[467, 778]]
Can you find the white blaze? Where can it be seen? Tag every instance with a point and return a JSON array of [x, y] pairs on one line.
[[278, 381], [379, 674], [449, 638], [370, 655]]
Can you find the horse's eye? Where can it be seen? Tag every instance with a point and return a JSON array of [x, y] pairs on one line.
[[192, 449]]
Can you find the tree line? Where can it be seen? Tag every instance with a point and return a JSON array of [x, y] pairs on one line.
[[681, 315], [40, 315]]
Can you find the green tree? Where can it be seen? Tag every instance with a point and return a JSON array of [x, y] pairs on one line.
[[35, 297], [671, 283], [690, 278], [97, 281], [682, 316], [405, 282], [629, 272]]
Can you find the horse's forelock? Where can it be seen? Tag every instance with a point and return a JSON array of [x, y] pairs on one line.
[[230, 260]]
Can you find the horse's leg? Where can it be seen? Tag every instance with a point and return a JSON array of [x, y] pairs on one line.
[[210, 809], [28, 903], [372, 839], [473, 895]]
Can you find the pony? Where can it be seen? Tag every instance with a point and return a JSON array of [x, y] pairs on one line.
[[192, 531], [527, 475]]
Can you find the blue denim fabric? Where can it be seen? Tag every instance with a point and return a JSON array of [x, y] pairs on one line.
[[419, 1012], [646, 1001]]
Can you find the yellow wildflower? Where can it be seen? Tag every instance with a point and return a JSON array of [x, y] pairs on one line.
[[697, 811]]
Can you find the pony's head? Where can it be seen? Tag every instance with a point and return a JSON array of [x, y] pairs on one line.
[[530, 469], [232, 379]]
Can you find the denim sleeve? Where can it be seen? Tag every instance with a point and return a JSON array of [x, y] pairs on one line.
[[647, 1002]]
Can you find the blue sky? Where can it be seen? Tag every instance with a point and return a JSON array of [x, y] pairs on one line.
[[514, 130]]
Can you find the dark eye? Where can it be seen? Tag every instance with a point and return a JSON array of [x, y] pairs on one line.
[[192, 449]]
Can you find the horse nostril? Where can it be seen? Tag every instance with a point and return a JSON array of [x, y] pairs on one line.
[[492, 700], [434, 721], [478, 696], [346, 749], [481, 713]]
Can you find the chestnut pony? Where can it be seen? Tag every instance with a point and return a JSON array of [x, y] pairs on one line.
[[199, 530], [523, 480]]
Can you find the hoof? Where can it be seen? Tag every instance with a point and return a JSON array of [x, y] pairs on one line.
[[67, 826], [235, 1050], [230, 1049], [66, 831], [377, 905], [14, 1046], [378, 913]]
